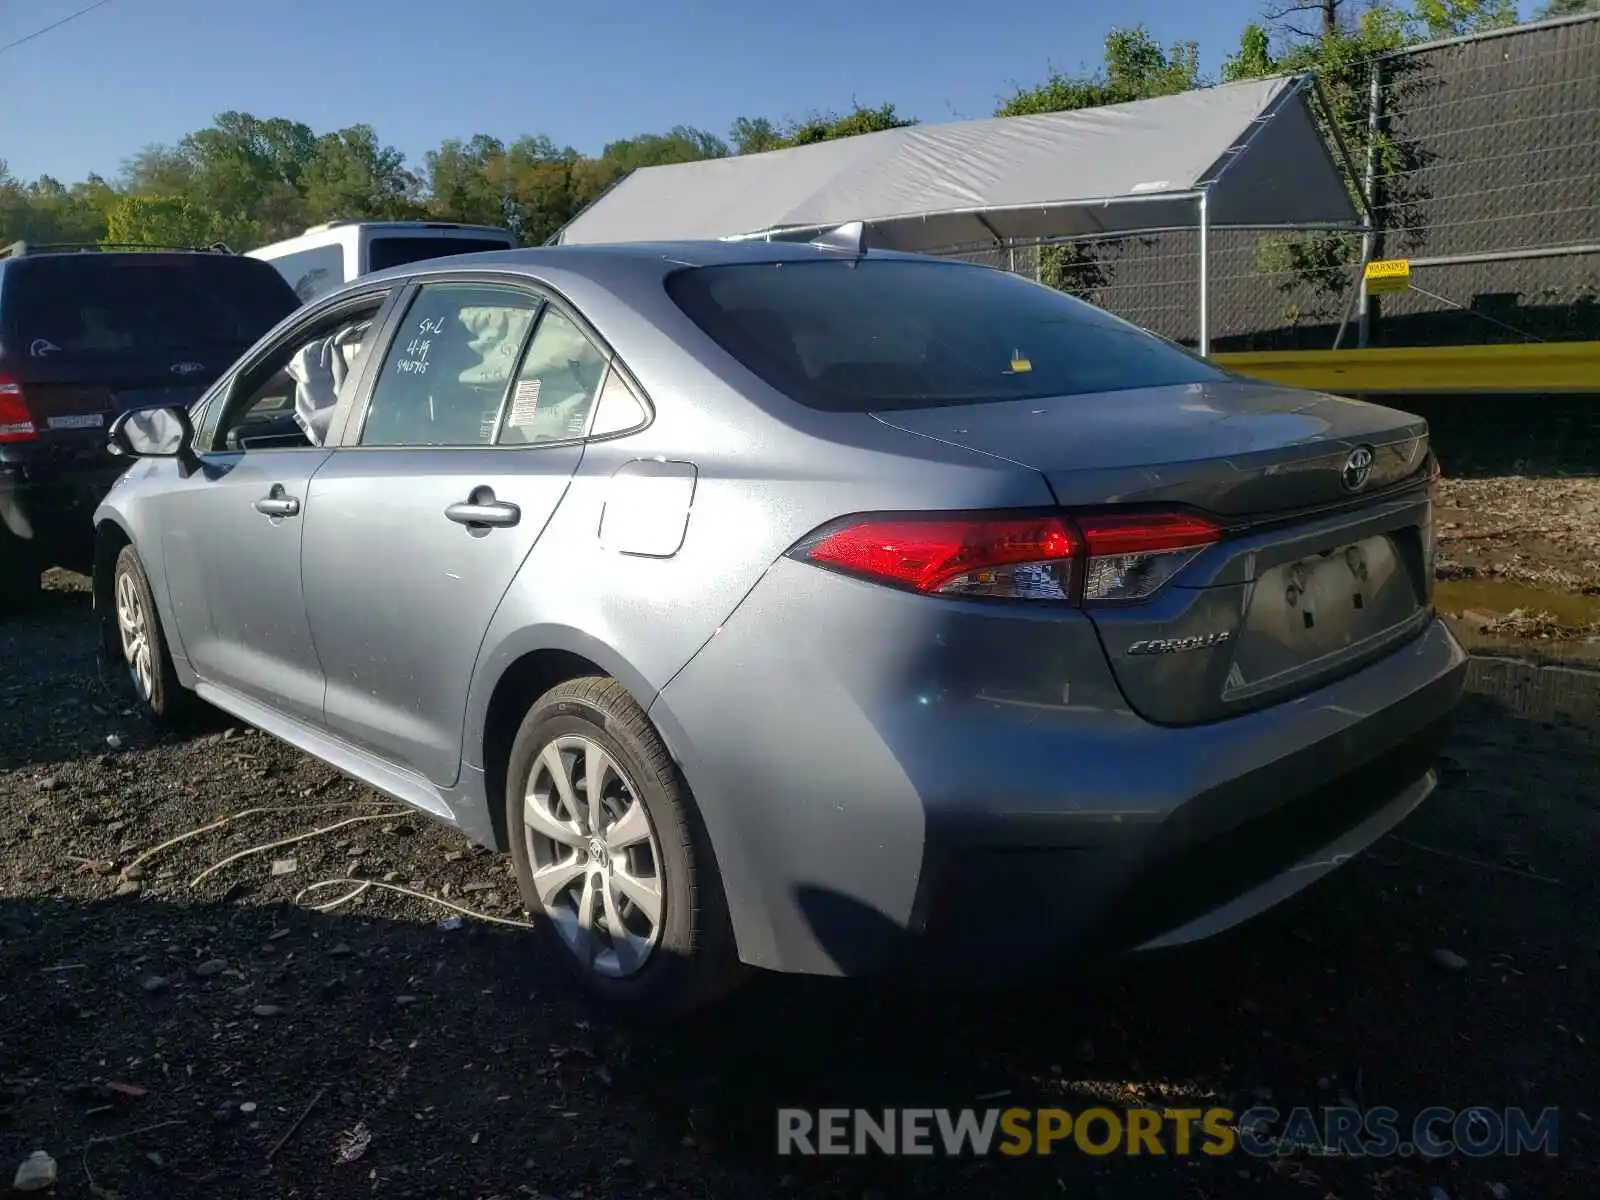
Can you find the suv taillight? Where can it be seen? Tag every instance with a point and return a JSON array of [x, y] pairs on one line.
[[16, 422], [1091, 558]]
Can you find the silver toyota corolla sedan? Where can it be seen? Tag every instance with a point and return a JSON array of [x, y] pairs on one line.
[[797, 607]]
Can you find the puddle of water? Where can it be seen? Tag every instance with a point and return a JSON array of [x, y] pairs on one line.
[[1502, 596]]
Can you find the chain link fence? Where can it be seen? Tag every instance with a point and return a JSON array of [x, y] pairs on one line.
[[1481, 164]]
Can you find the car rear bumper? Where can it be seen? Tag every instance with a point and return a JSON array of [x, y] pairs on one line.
[[1200, 872], [890, 780]]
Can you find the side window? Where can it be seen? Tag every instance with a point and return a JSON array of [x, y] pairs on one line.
[[556, 386], [288, 399], [619, 410], [445, 379], [312, 272]]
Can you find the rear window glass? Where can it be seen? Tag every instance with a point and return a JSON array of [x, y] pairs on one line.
[[312, 272], [94, 304], [396, 251], [857, 336]]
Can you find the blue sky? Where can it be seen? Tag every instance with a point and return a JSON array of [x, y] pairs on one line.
[[85, 96]]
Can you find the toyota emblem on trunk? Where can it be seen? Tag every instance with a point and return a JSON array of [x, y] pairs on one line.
[[1356, 469]]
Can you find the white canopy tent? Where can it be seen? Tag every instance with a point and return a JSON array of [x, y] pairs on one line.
[[1244, 155]]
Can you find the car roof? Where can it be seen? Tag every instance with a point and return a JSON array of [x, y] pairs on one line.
[[603, 258], [18, 267], [118, 255]]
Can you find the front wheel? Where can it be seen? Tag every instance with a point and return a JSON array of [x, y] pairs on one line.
[[134, 632], [610, 853]]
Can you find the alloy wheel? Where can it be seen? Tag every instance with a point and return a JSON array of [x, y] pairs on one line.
[[595, 861], [133, 628]]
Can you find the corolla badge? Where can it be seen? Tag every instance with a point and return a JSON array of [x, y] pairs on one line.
[[187, 368], [1356, 469], [1202, 641]]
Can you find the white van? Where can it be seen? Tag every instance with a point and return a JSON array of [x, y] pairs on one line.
[[325, 256]]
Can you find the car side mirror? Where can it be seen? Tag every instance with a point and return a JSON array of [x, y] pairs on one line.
[[152, 433]]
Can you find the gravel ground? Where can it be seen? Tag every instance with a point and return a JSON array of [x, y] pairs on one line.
[[164, 1037], [1539, 531]]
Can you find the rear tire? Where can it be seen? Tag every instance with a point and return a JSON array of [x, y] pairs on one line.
[[630, 899], [134, 632]]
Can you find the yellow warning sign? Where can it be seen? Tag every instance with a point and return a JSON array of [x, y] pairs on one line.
[[1388, 275]]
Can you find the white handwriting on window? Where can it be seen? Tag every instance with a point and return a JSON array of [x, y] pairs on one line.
[[416, 360]]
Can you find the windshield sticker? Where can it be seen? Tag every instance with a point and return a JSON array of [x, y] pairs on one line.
[[42, 347]]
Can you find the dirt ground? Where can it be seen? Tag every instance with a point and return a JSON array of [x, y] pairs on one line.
[[1519, 564], [164, 1036], [1540, 531]]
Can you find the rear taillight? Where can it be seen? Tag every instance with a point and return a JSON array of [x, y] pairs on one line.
[[1023, 558], [1092, 558], [1130, 557], [16, 422]]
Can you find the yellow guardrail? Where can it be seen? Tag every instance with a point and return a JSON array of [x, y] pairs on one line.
[[1532, 368]]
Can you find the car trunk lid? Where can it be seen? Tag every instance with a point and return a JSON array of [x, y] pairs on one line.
[[1233, 449], [1326, 556]]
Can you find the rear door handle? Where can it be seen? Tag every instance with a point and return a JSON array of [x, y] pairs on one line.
[[276, 504], [484, 510]]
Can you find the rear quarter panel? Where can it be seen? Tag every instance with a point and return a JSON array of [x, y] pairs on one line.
[[767, 471]]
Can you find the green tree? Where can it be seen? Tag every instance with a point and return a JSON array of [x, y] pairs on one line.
[[1137, 68], [351, 175], [246, 168], [48, 211], [1253, 58], [1134, 67], [1457, 18], [249, 170], [545, 184], [753, 135], [681, 144], [458, 182], [135, 220], [830, 127], [1568, 8]]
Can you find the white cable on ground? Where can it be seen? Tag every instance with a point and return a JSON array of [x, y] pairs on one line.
[[299, 837], [333, 904], [147, 855], [404, 891]]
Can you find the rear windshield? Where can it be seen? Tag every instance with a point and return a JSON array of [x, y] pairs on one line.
[[94, 304], [397, 251], [857, 336]]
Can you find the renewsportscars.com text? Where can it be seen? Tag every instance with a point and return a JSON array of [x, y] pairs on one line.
[[1438, 1132]]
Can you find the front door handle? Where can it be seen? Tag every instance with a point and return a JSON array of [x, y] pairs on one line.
[[276, 504], [482, 509]]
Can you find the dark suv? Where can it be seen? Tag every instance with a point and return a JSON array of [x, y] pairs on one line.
[[84, 335]]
